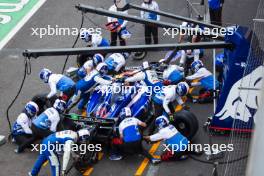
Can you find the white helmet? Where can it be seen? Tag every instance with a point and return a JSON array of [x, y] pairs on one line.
[[161, 122], [86, 35], [45, 74], [83, 134], [59, 105], [31, 108], [145, 65], [98, 58], [102, 68], [182, 88]]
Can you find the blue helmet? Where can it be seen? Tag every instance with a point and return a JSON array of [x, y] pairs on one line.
[[102, 68], [86, 35], [31, 108], [182, 88], [161, 122], [196, 65], [45, 74], [60, 105], [82, 72], [219, 62], [98, 58], [125, 112]]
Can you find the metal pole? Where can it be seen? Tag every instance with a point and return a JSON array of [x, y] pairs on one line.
[[214, 72], [173, 16], [132, 48], [100, 11]]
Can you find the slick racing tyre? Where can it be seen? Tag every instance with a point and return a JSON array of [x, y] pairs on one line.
[[88, 159], [139, 55], [81, 59], [186, 123], [42, 102]]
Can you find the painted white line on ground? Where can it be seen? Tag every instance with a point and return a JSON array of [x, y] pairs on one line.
[[21, 23], [153, 169]]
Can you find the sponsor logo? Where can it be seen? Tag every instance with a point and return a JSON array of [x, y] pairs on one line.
[[243, 97]]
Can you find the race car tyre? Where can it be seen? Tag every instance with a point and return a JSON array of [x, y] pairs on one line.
[[81, 59], [42, 102], [139, 55], [186, 122], [89, 158]]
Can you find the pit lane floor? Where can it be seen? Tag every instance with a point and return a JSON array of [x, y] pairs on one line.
[[63, 14]]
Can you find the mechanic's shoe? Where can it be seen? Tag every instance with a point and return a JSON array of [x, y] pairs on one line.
[[115, 157], [155, 161], [2, 140], [18, 150], [197, 152], [186, 107], [183, 157], [29, 174]]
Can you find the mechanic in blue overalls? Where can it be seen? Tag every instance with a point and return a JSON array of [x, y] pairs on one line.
[[219, 66], [205, 79], [58, 82], [150, 29], [45, 124], [116, 62], [151, 80], [49, 153], [89, 65], [176, 143], [21, 131], [172, 74], [131, 138], [117, 26], [94, 39], [86, 85]]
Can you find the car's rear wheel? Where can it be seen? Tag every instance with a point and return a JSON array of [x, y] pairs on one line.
[[186, 122]]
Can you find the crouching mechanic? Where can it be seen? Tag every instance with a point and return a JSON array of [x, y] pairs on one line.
[[89, 65], [131, 138], [58, 82], [205, 80], [86, 85], [166, 99], [116, 62], [22, 127], [44, 124], [94, 39], [176, 143], [50, 144], [172, 74]]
